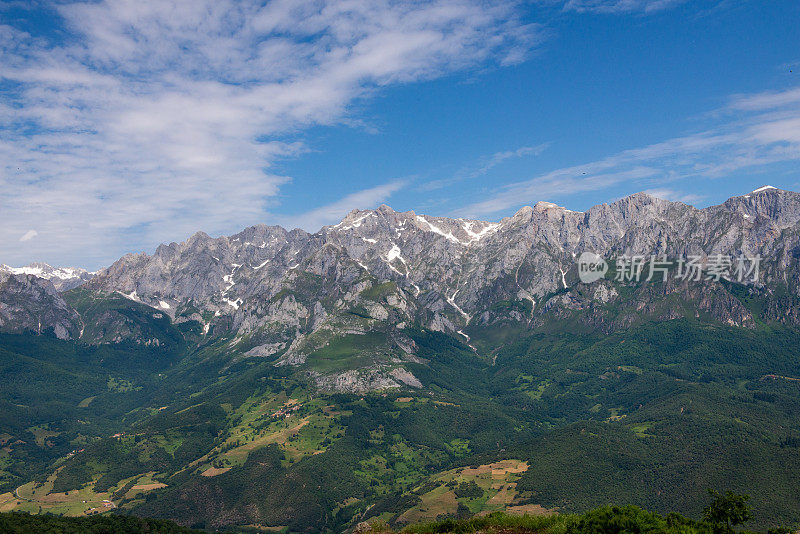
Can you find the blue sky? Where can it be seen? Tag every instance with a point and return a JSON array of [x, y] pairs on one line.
[[125, 123]]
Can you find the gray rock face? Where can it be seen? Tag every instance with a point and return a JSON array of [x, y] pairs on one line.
[[286, 294], [445, 271], [32, 304], [366, 379]]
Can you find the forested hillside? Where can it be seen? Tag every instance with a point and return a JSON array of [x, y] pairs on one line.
[[652, 416]]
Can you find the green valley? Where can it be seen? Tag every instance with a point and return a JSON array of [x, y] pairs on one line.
[[557, 422]]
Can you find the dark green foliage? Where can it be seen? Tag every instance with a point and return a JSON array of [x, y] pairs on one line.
[[468, 490], [45, 380], [19, 523], [120, 493], [495, 522], [261, 491], [607, 519], [102, 314], [671, 407], [603, 520], [727, 511], [648, 416], [629, 520]]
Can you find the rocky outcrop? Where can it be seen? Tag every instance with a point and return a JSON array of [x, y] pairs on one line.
[[32, 304], [366, 379]]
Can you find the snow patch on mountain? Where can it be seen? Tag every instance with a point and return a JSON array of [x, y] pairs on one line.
[[132, 295], [348, 224], [233, 303], [488, 229], [395, 253], [63, 278], [436, 230], [452, 302], [763, 188]]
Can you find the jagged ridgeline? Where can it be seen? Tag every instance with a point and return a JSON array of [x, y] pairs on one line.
[[403, 368]]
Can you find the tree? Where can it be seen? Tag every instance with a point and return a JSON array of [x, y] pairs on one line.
[[726, 511]]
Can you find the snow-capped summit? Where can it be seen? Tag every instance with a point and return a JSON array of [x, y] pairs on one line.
[[63, 278], [763, 188]]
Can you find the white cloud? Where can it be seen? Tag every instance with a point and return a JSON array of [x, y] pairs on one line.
[[487, 164], [499, 157], [27, 236], [560, 182], [154, 119], [768, 132], [313, 220], [767, 100], [620, 6]]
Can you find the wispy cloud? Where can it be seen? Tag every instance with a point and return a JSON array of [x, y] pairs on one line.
[[499, 157], [484, 166], [767, 100], [150, 120], [755, 131], [558, 182], [332, 213], [27, 236], [620, 6]]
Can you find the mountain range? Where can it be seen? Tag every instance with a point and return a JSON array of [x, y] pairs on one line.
[[63, 278], [289, 293], [281, 355]]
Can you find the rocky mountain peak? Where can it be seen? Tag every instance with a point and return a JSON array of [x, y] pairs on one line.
[[780, 207], [446, 272], [29, 303], [383, 208], [523, 214], [62, 278], [543, 206]]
